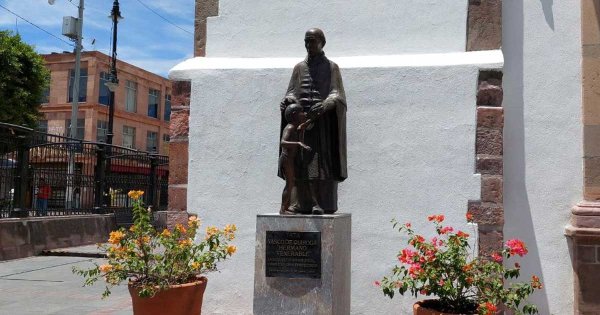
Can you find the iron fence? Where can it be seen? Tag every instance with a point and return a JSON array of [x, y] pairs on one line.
[[48, 175]]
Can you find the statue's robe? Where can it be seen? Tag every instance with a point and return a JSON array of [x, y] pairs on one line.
[[319, 80]]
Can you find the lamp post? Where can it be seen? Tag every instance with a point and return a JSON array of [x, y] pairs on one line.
[[115, 15]]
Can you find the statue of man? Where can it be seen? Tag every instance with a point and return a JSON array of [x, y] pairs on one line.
[[316, 84]]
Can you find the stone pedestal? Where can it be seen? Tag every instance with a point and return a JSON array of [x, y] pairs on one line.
[[584, 235], [291, 248]]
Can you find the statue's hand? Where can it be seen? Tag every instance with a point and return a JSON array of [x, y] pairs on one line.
[[286, 101], [305, 147], [316, 110]]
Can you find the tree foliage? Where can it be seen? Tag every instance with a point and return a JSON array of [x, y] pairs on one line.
[[23, 79]]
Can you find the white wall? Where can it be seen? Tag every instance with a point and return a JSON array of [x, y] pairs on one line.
[[543, 140], [275, 28], [411, 134]]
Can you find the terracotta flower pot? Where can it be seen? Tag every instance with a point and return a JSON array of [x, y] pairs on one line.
[[183, 299], [419, 309]]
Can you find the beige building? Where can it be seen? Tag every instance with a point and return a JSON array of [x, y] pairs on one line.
[[142, 102]]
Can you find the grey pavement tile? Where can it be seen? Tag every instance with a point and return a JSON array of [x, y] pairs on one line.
[[46, 285]]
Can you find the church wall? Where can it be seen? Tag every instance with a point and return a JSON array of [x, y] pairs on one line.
[[411, 148], [543, 138], [275, 28]]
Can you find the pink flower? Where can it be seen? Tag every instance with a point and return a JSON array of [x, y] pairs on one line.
[[407, 225], [496, 257], [377, 283], [516, 247]]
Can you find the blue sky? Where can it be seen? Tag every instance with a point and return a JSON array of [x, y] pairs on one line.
[[144, 39]]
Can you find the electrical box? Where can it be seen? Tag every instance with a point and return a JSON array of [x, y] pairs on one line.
[[69, 27]]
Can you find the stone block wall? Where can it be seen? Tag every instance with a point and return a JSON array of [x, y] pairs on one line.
[[21, 238], [488, 212]]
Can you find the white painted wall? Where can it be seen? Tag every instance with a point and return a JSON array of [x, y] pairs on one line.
[[411, 134], [543, 139], [275, 28]]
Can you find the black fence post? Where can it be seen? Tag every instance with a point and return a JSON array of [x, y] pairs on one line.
[[21, 179], [100, 179], [153, 182]]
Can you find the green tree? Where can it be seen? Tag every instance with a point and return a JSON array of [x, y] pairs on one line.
[[23, 79]]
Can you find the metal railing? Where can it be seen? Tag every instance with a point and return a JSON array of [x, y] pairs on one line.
[[48, 175]]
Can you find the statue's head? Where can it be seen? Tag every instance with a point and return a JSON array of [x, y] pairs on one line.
[[295, 112], [314, 41]]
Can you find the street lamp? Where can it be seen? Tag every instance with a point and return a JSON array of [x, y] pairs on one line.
[[115, 15]]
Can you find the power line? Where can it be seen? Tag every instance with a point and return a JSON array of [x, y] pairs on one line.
[[43, 30], [164, 18]]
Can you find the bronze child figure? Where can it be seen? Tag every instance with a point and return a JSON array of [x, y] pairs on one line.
[[291, 141]]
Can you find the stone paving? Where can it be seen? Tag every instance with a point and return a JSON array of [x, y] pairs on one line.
[[46, 285]]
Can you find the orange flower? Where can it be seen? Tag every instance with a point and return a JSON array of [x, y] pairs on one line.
[[196, 265], [185, 242], [116, 237], [467, 267], [231, 249], [105, 268], [194, 221], [211, 230], [166, 233], [135, 194], [230, 231], [180, 228]]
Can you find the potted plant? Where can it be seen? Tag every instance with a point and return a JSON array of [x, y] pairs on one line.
[[163, 268], [444, 267]]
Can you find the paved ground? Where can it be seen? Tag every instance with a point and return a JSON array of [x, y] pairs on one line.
[[46, 285]]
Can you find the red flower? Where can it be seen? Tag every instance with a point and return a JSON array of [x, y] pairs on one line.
[[516, 247], [496, 257], [416, 240], [377, 283], [535, 282], [407, 225], [407, 256], [436, 218], [462, 234], [446, 229], [469, 217], [487, 308]]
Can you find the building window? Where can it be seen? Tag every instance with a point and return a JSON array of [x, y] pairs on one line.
[[82, 84], [42, 126], [152, 141], [101, 131], [80, 128], [167, 107], [153, 99], [129, 137], [103, 91], [166, 138], [45, 95], [131, 94]]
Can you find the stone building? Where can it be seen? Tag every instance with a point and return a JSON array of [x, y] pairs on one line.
[[488, 107], [142, 99]]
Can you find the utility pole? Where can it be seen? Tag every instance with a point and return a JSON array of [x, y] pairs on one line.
[[115, 15], [67, 31]]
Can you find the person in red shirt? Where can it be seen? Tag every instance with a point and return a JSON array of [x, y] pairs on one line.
[[43, 194]]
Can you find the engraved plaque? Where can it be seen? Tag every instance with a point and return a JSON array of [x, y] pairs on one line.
[[293, 254]]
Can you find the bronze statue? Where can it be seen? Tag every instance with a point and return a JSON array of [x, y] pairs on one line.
[[291, 141], [316, 85]]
